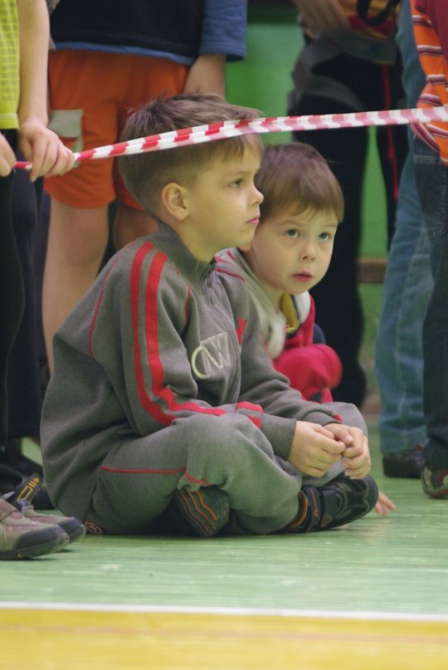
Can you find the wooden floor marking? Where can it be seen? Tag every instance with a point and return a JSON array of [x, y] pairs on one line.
[[167, 640]]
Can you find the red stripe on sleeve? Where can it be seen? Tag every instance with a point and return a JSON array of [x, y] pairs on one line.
[[159, 390]]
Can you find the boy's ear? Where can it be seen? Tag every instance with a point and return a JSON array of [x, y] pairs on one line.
[[174, 200]]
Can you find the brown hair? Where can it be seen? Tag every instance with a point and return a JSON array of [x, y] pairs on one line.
[[294, 177], [146, 174]]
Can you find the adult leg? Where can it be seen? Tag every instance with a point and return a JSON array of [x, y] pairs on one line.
[[432, 183], [338, 305], [11, 295], [77, 240], [407, 287], [131, 223], [25, 397], [399, 354]]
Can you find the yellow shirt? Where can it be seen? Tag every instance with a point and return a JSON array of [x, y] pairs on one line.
[[9, 64], [289, 311]]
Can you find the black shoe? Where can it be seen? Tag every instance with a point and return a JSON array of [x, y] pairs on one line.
[[13, 484], [341, 501], [11, 456], [405, 464], [435, 482]]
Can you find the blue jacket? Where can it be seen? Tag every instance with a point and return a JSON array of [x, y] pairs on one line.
[[182, 28]]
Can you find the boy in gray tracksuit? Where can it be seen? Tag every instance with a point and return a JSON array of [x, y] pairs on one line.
[[164, 412]]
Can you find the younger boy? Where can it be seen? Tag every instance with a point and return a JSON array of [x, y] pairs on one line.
[[289, 254], [164, 407]]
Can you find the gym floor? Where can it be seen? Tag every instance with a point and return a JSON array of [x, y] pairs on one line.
[[372, 595]]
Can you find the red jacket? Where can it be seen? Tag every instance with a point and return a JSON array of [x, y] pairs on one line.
[[312, 369]]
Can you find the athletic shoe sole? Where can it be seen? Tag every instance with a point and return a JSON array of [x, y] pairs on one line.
[[34, 543]]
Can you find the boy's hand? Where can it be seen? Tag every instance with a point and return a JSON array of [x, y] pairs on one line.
[[315, 448], [44, 149], [356, 455], [7, 157], [384, 505]]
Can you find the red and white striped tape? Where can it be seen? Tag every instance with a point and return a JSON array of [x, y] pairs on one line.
[[226, 129]]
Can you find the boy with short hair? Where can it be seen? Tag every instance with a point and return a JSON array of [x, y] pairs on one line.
[[288, 255], [164, 410]]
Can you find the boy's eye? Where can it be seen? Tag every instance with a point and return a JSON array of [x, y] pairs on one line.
[[292, 233], [236, 182], [325, 236]]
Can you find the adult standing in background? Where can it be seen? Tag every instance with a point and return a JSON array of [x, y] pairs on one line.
[[407, 287], [24, 39], [112, 57], [430, 19]]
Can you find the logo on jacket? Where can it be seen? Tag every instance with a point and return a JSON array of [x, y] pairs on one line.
[[212, 353]]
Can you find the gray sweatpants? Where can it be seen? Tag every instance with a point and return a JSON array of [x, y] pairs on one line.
[[136, 480]]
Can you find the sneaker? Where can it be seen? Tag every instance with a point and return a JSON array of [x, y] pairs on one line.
[[71, 526], [343, 500], [206, 510], [23, 538], [405, 464], [435, 482]]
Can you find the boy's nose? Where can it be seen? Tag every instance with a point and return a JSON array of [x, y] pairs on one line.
[[258, 196], [308, 250]]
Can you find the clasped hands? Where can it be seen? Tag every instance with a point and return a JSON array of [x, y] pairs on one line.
[[316, 448]]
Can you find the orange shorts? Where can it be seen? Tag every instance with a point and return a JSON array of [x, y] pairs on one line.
[[91, 94]]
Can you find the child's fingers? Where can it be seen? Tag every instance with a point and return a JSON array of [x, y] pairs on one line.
[[381, 509], [386, 503], [358, 467]]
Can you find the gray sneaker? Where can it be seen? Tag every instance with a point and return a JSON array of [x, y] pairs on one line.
[[23, 538], [73, 527]]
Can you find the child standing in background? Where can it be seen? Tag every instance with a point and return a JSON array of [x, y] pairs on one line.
[[24, 38]]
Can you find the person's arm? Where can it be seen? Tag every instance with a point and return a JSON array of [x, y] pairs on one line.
[[206, 75], [37, 143], [7, 157], [223, 38], [436, 11]]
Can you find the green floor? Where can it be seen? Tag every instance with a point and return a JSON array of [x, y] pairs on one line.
[[394, 565]]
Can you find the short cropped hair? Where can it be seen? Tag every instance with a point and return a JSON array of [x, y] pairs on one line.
[[146, 174], [295, 177]]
